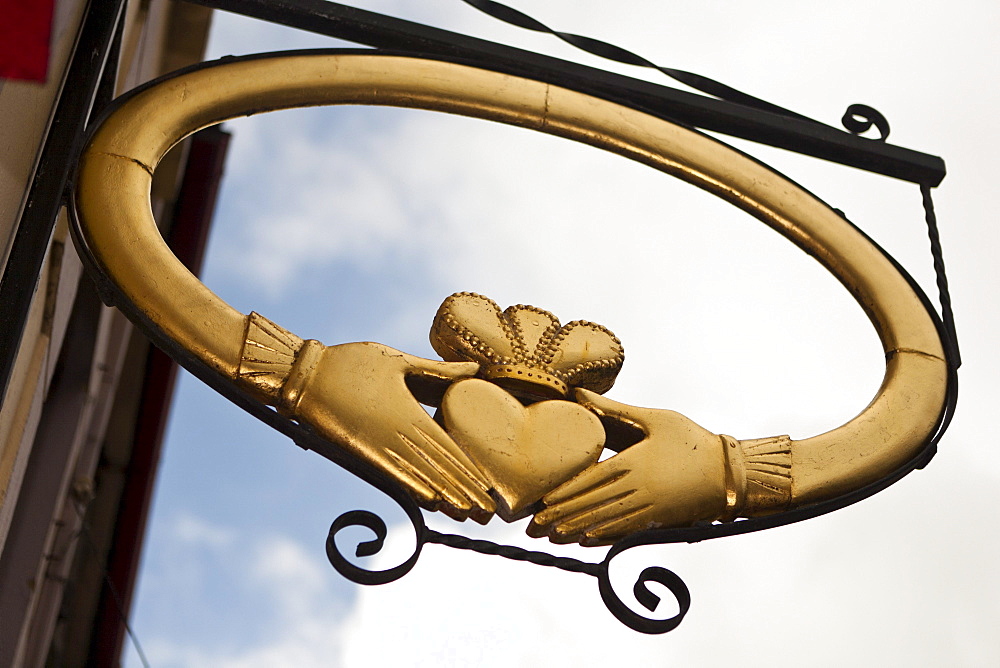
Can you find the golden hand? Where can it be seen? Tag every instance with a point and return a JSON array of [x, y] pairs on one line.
[[673, 477], [362, 396]]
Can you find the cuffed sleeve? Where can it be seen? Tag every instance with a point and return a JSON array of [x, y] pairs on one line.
[[758, 476], [267, 357]]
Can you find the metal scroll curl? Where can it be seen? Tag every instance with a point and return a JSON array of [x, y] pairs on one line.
[[861, 118], [368, 520], [612, 600], [371, 547]]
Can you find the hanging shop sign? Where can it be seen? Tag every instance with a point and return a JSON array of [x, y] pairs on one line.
[[522, 412]]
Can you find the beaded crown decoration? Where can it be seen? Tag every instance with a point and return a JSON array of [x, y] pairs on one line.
[[525, 349]]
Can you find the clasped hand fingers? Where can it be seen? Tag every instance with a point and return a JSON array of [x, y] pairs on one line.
[[674, 476], [358, 396]]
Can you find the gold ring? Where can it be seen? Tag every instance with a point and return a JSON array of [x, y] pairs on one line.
[[113, 209]]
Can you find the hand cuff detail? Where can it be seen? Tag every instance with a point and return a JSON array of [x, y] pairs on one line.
[[267, 357], [758, 476]]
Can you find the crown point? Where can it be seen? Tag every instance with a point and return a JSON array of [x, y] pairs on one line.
[[524, 348]]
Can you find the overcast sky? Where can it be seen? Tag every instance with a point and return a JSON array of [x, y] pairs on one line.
[[354, 224]]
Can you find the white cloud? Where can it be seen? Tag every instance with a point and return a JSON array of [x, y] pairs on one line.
[[720, 318], [197, 532], [293, 575], [885, 574], [652, 258], [283, 598]]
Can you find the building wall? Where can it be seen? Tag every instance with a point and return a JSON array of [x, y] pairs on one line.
[[26, 108], [69, 415]]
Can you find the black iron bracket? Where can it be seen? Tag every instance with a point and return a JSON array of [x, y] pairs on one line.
[[371, 29], [601, 570], [736, 120], [88, 85]]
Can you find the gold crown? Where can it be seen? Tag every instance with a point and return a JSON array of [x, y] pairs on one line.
[[524, 348]]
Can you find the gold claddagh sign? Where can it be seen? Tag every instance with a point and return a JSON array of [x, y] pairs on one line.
[[522, 418]]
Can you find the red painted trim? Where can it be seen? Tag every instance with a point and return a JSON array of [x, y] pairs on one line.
[[25, 31]]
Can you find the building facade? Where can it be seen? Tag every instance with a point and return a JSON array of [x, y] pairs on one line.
[[85, 397]]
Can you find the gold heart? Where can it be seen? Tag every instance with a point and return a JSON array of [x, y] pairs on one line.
[[524, 452]]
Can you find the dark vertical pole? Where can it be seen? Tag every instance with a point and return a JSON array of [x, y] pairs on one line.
[[46, 192]]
